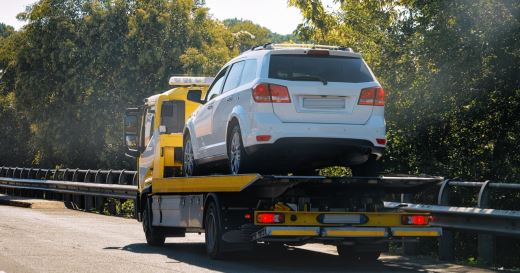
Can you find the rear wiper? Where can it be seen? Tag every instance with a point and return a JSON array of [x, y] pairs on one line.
[[309, 78]]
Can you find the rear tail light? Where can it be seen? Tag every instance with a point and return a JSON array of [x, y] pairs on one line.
[[381, 141], [416, 220], [270, 218], [372, 96], [266, 92]]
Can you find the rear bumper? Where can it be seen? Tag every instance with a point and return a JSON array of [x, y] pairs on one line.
[[303, 152], [271, 232]]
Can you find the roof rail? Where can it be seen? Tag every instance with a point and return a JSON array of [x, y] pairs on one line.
[[312, 46]]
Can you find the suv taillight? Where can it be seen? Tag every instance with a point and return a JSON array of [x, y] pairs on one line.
[[267, 92], [372, 96]]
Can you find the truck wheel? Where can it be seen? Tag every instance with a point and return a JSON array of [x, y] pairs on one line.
[[371, 168], [189, 166], [236, 153], [213, 232], [348, 253], [153, 236]]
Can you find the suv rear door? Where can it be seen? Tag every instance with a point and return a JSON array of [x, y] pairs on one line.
[[323, 88]]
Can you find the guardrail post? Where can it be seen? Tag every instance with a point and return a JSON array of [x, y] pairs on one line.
[[87, 201], [486, 242], [446, 241], [409, 248], [100, 201]]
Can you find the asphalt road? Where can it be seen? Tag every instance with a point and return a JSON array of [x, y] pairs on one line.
[[61, 240]]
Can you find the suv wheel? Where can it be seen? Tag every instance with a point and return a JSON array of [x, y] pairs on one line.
[[236, 153], [188, 163]]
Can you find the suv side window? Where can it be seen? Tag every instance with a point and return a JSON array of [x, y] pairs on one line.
[[233, 78], [216, 86], [249, 72]]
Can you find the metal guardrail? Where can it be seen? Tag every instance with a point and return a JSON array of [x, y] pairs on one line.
[[121, 177], [67, 187], [488, 222], [79, 189]]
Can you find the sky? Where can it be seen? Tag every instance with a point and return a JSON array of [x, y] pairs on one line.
[[273, 14]]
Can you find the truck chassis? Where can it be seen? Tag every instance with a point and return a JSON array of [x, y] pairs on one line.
[[237, 212]]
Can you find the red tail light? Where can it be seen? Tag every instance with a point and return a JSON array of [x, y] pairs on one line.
[[417, 220], [380, 97], [265, 92], [270, 218], [372, 96], [261, 93]]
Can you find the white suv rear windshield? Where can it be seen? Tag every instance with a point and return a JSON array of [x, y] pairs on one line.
[[318, 68]]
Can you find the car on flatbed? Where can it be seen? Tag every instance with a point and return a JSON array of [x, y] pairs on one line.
[[288, 109]]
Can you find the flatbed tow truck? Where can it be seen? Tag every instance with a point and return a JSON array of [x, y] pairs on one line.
[[237, 212]]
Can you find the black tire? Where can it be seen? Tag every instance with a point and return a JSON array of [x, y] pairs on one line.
[[371, 168], [238, 160], [154, 236], [349, 254], [189, 166], [213, 232]]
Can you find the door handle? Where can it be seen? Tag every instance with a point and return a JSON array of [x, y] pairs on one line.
[[210, 106], [229, 99]]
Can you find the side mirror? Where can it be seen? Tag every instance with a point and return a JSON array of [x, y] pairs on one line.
[[195, 96], [132, 128]]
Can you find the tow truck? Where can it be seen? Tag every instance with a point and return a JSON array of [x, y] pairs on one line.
[[237, 212]]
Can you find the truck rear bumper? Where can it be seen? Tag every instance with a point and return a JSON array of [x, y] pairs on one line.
[[293, 232]]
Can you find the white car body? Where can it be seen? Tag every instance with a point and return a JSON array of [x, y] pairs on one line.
[[318, 112]]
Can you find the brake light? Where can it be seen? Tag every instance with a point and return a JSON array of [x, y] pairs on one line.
[[380, 97], [417, 220], [317, 52], [381, 141], [372, 96], [270, 218], [266, 92], [261, 93]]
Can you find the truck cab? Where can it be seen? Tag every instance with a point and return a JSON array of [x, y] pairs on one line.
[[154, 130]]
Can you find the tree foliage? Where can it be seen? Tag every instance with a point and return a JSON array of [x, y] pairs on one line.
[[68, 75], [450, 70]]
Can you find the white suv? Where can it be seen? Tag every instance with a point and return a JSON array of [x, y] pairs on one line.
[[288, 109]]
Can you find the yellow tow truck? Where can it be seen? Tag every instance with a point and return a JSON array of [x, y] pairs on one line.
[[237, 212]]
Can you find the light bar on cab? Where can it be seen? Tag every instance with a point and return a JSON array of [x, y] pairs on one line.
[[187, 80]]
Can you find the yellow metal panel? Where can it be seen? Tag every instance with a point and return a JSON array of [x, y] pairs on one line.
[[416, 233], [168, 156], [289, 232], [356, 233], [221, 183]]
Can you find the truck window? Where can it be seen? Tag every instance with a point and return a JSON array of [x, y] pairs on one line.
[[148, 125], [233, 78], [172, 116]]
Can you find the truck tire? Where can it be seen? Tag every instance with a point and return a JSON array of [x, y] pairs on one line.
[[236, 153], [154, 236], [371, 168], [349, 254], [213, 231]]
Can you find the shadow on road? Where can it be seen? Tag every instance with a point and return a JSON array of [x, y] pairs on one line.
[[267, 259]]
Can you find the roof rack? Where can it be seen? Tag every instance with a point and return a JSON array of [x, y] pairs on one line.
[[269, 46]]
